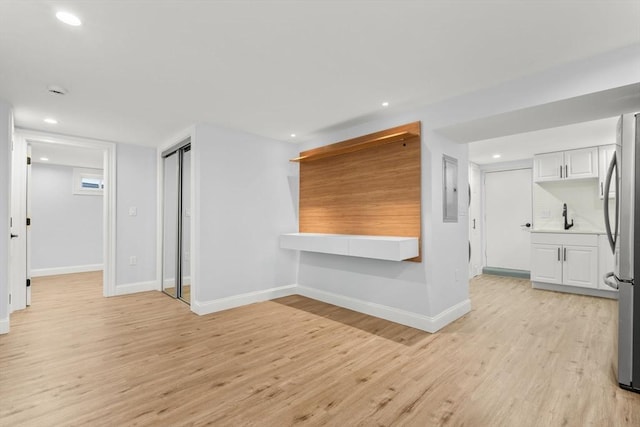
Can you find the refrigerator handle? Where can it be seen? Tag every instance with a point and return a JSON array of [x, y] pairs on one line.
[[607, 184], [610, 280]]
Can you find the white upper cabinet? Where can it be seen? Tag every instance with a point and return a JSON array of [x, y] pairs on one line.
[[605, 153], [571, 164], [581, 163], [548, 167]]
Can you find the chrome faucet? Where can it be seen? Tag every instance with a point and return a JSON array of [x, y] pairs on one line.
[[564, 214]]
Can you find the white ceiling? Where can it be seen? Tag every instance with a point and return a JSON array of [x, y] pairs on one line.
[[143, 71], [59, 154], [525, 145]]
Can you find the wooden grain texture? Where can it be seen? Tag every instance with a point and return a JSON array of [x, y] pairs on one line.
[[370, 192], [521, 357]]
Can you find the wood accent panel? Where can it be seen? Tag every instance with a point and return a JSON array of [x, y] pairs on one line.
[[396, 134], [373, 192], [521, 358]]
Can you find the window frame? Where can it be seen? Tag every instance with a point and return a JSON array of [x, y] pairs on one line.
[[79, 174]]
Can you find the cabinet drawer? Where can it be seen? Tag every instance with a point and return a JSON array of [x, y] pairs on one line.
[[565, 239]]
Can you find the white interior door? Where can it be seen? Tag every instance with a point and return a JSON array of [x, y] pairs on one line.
[[18, 248], [28, 227], [475, 207], [507, 211]]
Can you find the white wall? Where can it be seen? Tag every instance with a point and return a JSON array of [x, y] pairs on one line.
[[242, 202], [136, 235], [513, 106], [66, 228], [426, 295], [5, 183], [584, 205]]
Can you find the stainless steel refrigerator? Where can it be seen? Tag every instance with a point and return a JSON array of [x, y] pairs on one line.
[[623, 174]]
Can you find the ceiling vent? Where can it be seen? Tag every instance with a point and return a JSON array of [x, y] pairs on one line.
[[57, 90]]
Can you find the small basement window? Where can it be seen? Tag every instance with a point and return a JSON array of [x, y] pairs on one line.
[[88, 181]]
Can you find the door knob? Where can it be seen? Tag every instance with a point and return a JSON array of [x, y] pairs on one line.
[[526, 225], [13, 236]]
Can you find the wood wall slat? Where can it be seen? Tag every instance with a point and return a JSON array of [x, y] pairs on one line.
[[375, 191]]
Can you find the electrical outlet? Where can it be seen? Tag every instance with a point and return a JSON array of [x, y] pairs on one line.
[[545, 214], [133, 211], [133, 260]]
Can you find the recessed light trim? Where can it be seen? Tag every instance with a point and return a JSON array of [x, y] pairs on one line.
[[51, 121], [44, 159], [497, 156], [68, 18], [293, 135], [385, 104]]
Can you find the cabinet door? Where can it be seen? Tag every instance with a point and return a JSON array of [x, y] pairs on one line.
[[546, 263], [605, 153], [548, 167], [580, 266], [581, 163]]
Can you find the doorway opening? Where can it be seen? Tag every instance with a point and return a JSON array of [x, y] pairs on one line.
[[63, 200], [176, 222]]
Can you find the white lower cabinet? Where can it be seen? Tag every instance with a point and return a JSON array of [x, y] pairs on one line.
[[546, 263], [565, 259], [580, 266]]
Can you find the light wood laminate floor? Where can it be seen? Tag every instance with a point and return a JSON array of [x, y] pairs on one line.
[[522, 357]]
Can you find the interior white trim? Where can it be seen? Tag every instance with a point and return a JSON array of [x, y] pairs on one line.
[[212, 306], [109, 218], [132, 288], [403, 317], [407, 318], [575, 290], [53, 271], [4, 326]]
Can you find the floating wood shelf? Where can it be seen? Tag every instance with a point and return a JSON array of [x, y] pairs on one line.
[[376, 139], [365, 186], [391, 248]]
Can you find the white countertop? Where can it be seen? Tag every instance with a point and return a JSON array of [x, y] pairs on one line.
[[570, 231]]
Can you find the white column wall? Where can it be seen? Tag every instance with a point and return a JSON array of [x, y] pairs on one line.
[[242, 202], [136, 234], [426, 295], [5, 185]]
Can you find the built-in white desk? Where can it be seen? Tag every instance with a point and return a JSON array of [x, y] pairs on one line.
[[390, 248]]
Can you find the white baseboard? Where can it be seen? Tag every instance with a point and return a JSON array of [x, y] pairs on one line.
[[212, 306], [4, 326], [575, 290], [407, 318], [451, 314], [39, 272], [132, 288]]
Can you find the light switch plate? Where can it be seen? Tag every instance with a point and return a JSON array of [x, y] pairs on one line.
[[133, 211]]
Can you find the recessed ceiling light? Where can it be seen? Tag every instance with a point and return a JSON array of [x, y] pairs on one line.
[[51, 121], [293, 135], [496, 156], [44, 159], [69, 18], [385, 104]]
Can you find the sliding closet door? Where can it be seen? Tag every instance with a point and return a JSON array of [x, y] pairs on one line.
[[170, 225], [176, 241], [185, 269]]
